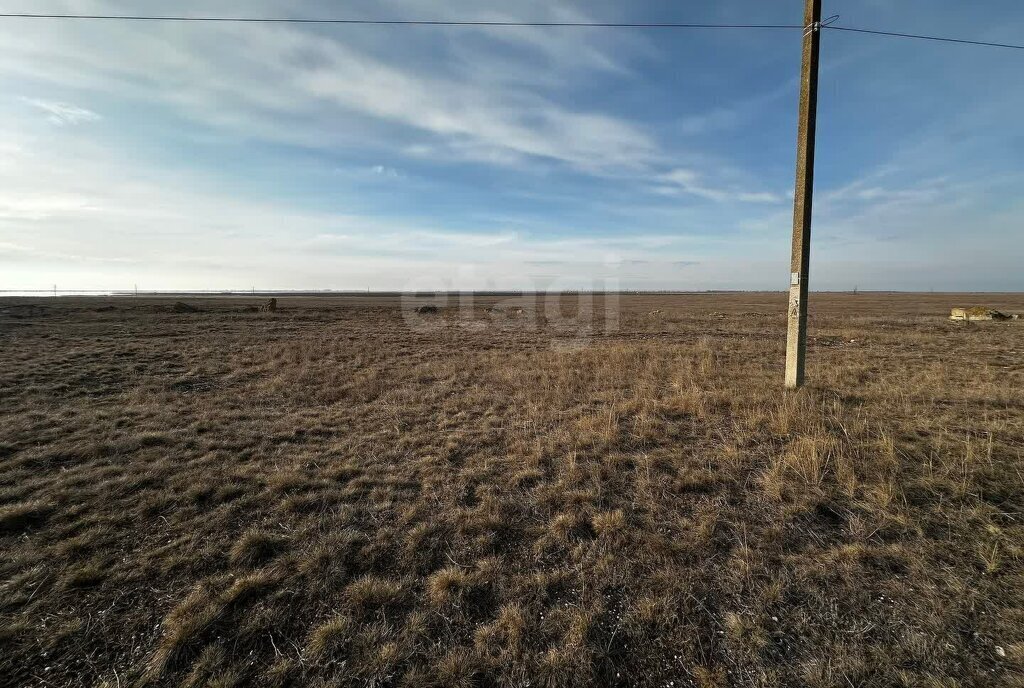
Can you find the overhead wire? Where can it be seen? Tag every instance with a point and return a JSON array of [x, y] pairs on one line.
[[942, 39], [402, 22], [502, 23]]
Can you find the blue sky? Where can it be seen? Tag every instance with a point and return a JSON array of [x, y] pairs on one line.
[[311, 157]]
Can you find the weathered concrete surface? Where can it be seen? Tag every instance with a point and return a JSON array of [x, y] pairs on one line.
[[800, 260]]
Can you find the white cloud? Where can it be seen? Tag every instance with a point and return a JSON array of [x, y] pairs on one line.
[[10, 247], [98, 227], [508, 97], [472, 119], [888, 185], [688, 181], [300, 86], [385, 171], [62, 113], [32, 205]]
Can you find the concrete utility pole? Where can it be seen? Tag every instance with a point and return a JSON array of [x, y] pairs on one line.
[[796, 339]]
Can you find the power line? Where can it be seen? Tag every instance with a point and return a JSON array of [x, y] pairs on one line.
[[496, 23], [925, 38], [401, 22]]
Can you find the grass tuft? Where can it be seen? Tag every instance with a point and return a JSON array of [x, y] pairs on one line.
[[24, 515], [330, 637], [257, 547]]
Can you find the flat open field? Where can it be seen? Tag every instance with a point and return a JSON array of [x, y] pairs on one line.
[[344, 493]]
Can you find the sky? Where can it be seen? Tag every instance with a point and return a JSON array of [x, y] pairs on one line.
[[227, 156]]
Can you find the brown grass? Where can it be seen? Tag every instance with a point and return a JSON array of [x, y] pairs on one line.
[[324, 496]]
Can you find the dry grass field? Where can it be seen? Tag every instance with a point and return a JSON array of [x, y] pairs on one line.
[[330, 496]]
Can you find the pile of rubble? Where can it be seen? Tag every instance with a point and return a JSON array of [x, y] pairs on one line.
[[979, 313]]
